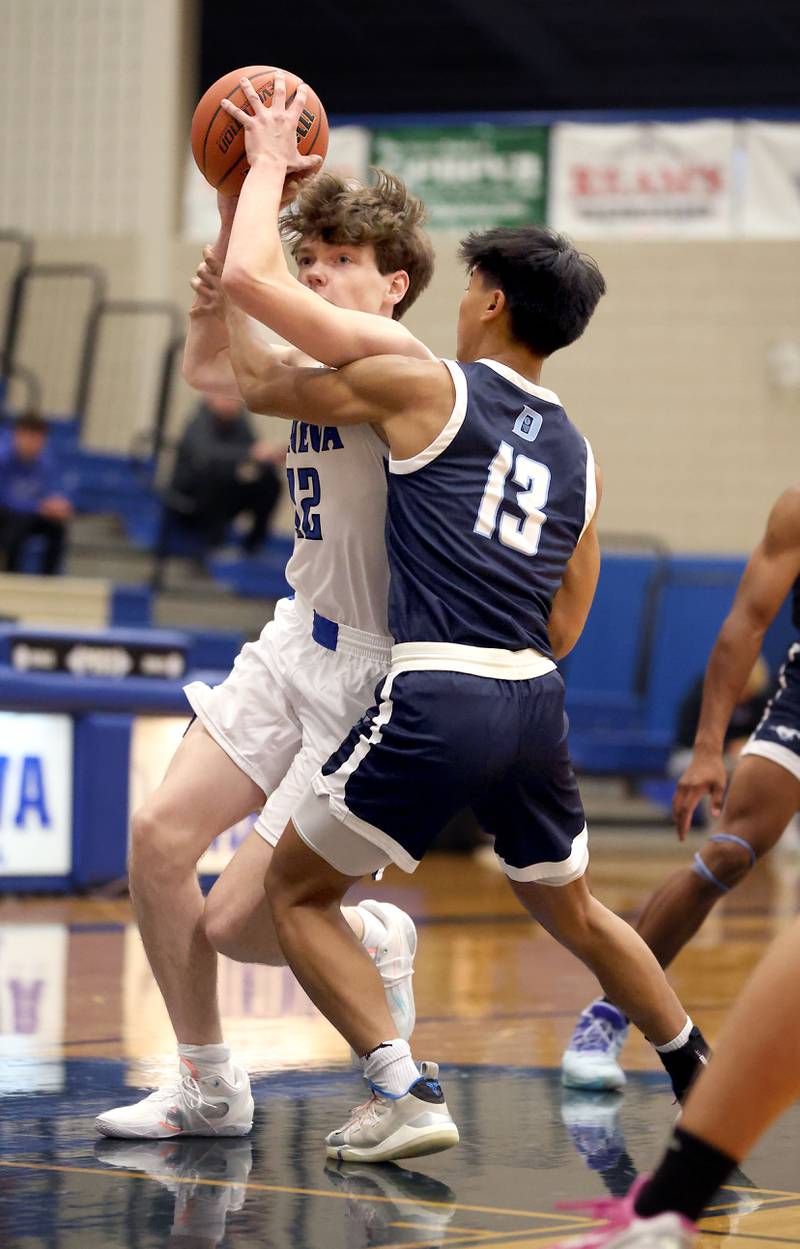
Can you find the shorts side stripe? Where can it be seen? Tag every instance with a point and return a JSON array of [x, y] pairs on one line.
[[562, 873], [782, 755], [335, 782], [791, 655], [376, 836]]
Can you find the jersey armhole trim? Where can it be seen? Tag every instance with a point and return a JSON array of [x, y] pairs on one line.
[[443, 439], [591, 489]]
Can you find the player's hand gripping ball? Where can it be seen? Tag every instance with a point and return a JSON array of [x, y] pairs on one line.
[[253, 112]]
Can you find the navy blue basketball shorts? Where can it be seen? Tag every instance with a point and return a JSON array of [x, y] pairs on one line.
[[778, 735], [435, 743]]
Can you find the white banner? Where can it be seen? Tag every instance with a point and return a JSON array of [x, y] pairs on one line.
[[645, 180], [35, 794], [771, 191], [348, 155]]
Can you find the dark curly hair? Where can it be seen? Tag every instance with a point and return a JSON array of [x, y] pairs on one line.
[[385, 214], [551, 288]]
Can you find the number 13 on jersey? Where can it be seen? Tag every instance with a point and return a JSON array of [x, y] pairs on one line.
[[533, 478]]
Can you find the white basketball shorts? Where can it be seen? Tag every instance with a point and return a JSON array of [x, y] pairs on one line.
[[289, 701]]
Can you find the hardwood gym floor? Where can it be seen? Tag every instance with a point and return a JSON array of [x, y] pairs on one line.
[[82, 1027]]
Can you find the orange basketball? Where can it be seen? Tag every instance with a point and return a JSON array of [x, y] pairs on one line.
[[218, 140]]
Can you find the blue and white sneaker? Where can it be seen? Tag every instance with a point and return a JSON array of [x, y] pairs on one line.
[[385, 1128], [386, 1196], [590, 1059], [592, 1120]]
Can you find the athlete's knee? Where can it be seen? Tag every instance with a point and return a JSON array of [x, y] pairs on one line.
[[570, 914], [239, 935], [223, 926], [157, 849], [725, 860]]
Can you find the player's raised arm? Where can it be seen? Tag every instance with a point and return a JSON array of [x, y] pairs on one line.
[[207, 363], [766, 581], [406, 396], [575, 596], [256, 276]]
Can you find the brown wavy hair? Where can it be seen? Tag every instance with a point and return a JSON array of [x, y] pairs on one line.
[[384, 213]]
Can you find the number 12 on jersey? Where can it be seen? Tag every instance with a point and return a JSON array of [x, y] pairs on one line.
[[305, 495], [533, 479]]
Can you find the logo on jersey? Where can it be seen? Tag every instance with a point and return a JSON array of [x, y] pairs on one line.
[[306, 438], [528, 424], [785, 733]]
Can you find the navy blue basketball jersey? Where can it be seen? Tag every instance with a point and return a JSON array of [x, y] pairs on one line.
[[796, 604], [482, 523]]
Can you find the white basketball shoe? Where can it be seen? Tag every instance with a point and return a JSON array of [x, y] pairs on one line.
[[385, 1128], [208, 1178], [196, 1104], [625, 1229], [590, 1059]]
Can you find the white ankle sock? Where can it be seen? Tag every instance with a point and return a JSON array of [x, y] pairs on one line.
[[677, 1042], [209, 1058], [374, 931], [390, 1067]]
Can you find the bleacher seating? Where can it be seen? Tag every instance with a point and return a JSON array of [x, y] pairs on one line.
[[648, 638]]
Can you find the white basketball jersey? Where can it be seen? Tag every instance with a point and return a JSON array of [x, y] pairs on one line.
[[337, 480]]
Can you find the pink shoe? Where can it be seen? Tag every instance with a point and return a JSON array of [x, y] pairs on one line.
[[624, 1228]]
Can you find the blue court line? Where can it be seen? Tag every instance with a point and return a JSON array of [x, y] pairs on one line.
[[108, 926], [107, 1040], [737, 912], [430, 921]]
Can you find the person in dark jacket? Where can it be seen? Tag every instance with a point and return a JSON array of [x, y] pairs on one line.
[[222, 470], [33, 501], [744, 720]]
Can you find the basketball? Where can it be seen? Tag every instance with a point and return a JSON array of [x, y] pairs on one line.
[[218, 139]]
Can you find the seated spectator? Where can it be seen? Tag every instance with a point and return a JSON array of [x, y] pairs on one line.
[[222, 470], [33, 501]]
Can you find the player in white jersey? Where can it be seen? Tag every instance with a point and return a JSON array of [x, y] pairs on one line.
[[260, 736]]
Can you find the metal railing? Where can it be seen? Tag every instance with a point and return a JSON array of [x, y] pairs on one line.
[[93, 276]]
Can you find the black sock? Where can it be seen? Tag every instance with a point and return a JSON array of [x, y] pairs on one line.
[[686, 1179], [684, 1064]]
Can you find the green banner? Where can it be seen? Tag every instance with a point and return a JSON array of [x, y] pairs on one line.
[[470, 176]]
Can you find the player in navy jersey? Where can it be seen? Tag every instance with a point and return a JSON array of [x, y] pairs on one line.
[[493, 553], [764, 791]]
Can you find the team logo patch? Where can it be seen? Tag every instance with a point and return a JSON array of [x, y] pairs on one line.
[[785, 733], [528, 424]]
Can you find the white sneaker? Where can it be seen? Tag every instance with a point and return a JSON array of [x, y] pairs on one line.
[[394, 960], [194, 1105], [384, 1128], [624, 1228], [208, 1178], [592, 1120], [385, 1195], [590, 1060]]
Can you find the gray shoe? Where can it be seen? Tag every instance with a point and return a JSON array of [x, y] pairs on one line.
[[386, 1128]]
